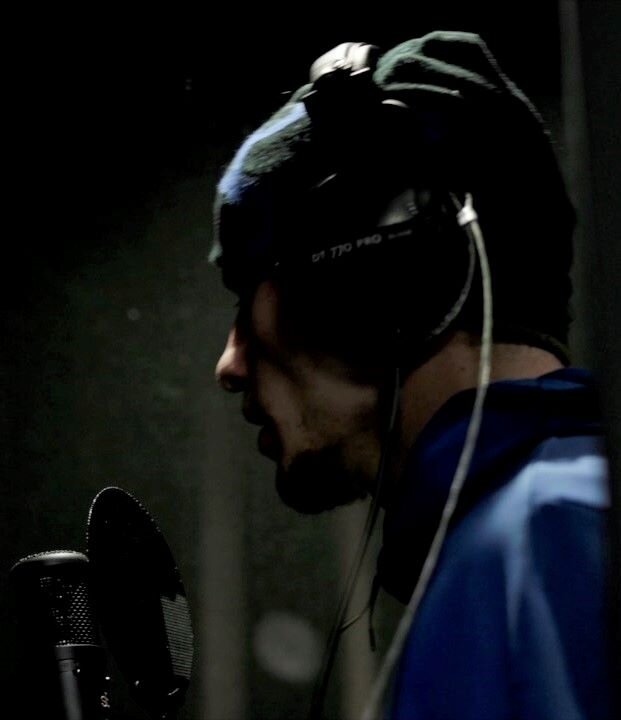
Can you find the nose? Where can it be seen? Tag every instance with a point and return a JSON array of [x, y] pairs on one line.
[[232, 367]]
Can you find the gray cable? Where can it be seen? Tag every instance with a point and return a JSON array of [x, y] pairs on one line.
[[468, 219]]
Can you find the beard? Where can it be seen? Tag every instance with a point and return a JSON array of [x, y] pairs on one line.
[[316, 480]]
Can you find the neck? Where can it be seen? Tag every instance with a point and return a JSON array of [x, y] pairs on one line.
[[453, 369]]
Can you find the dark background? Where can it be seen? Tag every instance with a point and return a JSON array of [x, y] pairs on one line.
[[118, 127]]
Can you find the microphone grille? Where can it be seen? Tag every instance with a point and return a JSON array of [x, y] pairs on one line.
[[54, 591], [70, 610]]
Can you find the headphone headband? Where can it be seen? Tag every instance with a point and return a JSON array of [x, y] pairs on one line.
[[350, 57], [342, 84]]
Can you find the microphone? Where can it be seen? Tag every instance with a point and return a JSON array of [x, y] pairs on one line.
[[66, 663], [140, 602]]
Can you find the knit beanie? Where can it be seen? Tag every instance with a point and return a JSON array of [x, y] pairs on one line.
[[467, 128]]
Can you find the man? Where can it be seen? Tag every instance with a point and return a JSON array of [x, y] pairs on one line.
[[358, 287]]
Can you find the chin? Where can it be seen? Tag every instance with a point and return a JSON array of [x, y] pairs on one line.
[[316, 480]]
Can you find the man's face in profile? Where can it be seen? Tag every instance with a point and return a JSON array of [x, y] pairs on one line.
[[317, 424]]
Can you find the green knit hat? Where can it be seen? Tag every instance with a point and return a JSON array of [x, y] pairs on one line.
[[468, 128]]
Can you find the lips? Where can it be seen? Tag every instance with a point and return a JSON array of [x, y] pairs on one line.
[[268, 442], [253, 413]]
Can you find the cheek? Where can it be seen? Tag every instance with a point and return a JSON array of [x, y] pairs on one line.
[[301, 417], [340, 401], [277, 393]]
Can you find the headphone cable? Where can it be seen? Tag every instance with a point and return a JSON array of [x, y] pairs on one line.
[[467, 218]]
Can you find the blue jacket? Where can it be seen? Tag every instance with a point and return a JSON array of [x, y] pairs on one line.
[[513, 623]]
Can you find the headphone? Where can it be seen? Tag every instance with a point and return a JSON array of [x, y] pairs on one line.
[[359, 134]]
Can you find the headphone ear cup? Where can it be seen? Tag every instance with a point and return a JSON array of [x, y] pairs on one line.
[[432, 274]]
